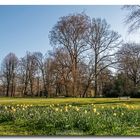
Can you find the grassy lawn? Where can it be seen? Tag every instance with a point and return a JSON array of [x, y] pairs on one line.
[[75, 101], [69, 116]]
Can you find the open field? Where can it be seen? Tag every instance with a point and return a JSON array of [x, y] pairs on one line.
[[63, 101], [69, 116]]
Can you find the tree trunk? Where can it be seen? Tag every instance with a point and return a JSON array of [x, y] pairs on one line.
[[96, 86], [25, 88], [31, 87], [85, 91], [38, 88], [44, 83], [7, 89], [74, 78], [66, 90], [96, 77], [87, 86]]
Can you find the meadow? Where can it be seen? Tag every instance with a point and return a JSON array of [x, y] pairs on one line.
[[69, 117]]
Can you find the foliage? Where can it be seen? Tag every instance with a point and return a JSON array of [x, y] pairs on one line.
[[56, 119]]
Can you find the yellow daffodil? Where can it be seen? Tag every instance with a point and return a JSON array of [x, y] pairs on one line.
[[94, 110], [98, 113], [114, 114], [31, 114], [66, 110], [85, 111], [132, 107], [77, 109], [56, 109], [5, 107], [14, 110], [113, 107]]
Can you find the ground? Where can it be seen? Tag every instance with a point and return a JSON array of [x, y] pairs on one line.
[[75, 101], [19, 108]]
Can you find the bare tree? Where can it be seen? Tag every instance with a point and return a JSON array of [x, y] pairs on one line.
[[129, 61], [9, 66], [32, 72], [48, 76], [70, 32], [28, 69], [104, 78], [62, 69], [23, 74], [133, 17], [40, 60], [103, 43], [87, 76]]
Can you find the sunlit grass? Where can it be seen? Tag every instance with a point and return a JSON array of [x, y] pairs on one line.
[[93, 119], [74, 101], [69, 116]]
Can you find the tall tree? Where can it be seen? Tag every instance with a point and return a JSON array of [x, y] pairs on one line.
[[9, 67], [28, 69], [70, 32], [103, 43], [23, 74], [40, 62]]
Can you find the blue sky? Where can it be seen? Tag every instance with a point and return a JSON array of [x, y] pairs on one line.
[[26, 28]]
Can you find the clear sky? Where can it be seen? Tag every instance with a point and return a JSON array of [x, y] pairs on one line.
[[26, 28]]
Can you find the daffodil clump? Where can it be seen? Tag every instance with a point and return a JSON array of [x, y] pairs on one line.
[[90, 119]]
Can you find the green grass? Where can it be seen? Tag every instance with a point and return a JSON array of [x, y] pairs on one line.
[[9, 129], [76, 101], [69, 116]]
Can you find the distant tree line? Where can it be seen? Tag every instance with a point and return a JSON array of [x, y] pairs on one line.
[[88, 59]]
